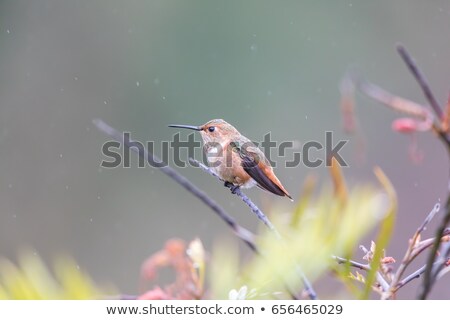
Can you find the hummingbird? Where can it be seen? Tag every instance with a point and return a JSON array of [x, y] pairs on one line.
[[235, 158]]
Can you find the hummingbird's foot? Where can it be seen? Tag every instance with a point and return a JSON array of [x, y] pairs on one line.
[[232, 187]]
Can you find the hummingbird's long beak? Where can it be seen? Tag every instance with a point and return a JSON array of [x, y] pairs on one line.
[[185, 127]]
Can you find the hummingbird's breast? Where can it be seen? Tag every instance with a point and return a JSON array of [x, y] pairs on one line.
[[227, 164]]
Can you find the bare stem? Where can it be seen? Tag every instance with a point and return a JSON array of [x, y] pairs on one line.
[[352, 263], [242, 233], [416, 274], [410, 254], [423, 83]]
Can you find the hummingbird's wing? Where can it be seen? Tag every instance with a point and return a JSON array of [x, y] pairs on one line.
[[253, 162], [252, 168]]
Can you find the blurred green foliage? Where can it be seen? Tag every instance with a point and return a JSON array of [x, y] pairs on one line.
[[333, 223], [31, 279]]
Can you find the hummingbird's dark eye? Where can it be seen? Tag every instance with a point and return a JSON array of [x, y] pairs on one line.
[[211, 129]]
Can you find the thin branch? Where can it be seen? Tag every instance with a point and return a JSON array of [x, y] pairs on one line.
[[411, 253], [242, 233], [425, 244], [393, 101], [352, 263], [427, 220], [423, 83], [261, 216], [416, 274], [383, 283]]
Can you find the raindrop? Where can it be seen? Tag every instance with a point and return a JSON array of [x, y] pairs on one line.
[[137, 84], [7, 31], [156, 81]]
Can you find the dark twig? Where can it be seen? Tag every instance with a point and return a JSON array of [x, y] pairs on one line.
[[423, 83], [306, 283], [429, 278], [261, 216], [244, 234]]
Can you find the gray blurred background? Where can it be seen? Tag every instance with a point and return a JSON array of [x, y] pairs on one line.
[[140, 65]]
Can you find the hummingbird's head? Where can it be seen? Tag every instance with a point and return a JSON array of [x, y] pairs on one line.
[[216, 130]]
